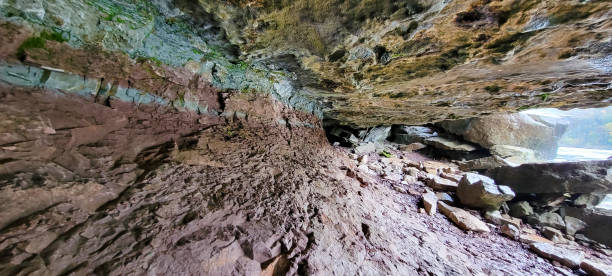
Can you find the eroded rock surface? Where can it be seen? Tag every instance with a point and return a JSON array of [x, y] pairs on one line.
[[212, 195]]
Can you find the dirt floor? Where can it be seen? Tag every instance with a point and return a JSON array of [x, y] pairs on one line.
[[116, 189]]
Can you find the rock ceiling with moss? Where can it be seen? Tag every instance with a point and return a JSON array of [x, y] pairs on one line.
[[356, 62]]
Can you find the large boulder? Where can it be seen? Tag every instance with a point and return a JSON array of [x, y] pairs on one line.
[[569, 177], [377, 135], [479, 191], [535, 132], [594, 224]]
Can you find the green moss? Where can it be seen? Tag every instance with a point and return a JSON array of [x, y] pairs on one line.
[[38, 42], [196, 51], [545, 96], [509, 42]]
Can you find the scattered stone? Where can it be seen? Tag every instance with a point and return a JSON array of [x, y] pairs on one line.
[[479, 191], [448, 144], [547, 219], [554, 235], [569, 258], [573, 225], [462, 218], [596, 269], [511, 231], [440, 184], [445, 197], [520, 209], [497, 218], [362, 159], [430, 202], [530, 238]]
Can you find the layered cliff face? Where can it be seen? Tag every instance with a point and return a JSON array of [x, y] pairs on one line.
[[360, 63], [186, 137]]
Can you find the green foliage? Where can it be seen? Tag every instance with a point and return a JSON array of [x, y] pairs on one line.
[[544, 96], [386, 154], [588, 128]]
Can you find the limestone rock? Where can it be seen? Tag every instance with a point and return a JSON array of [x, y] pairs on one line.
[[462, 218], [412, 134], [412, 147], [568, 177], [441, 184], [445, 197], [377, 135], [530, 238], [520, 209], [484, 163], [570, 258], [588, 200], [596, 269], [513, 154], [511, 231], [573, 225], [520, 130], [553, 234], [365, 148], [497, 218], [479, 191], [547, 219], [449, 144], [430, 202]]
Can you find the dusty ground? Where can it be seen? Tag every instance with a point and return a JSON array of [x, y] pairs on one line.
[[87, 188]]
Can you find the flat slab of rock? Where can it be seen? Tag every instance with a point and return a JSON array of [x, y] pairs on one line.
[[569, 258], [533, 238], [448, 144], [568, 177], [596, 269], [442, 184], [463, 219]]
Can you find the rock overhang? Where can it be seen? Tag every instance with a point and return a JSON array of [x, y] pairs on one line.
[[364, 64]]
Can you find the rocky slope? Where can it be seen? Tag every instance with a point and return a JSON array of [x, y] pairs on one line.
[[182, 137]]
